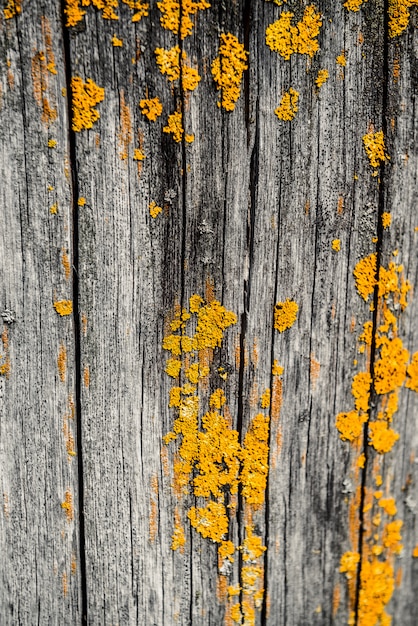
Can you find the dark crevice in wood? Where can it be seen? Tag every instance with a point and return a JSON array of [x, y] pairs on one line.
[[373, 349], [76, 315]]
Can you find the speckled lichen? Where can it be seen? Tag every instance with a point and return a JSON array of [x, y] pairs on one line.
[[174, 127], [228, 69], [74, 13], [154, 209], [374, 145], [174, 64], [341, 59], [398, 13], [288, 106], [285, 314], [365, 275], [13, 8], [321, 78], [151, 108], [170, 15], [354, 5], [285, 39], [386, 219], [85, 96]]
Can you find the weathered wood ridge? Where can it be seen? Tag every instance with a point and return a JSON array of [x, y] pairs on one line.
[[103, 519]]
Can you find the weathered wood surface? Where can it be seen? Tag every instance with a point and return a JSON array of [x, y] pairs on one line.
[[250, 210]]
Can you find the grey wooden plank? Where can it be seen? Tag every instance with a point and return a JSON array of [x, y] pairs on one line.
[[40, 572]]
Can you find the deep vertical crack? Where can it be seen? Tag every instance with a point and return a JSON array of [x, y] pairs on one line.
[[76, 315], [373, 347]]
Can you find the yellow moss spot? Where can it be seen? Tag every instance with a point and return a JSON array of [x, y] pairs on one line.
[[81, 201], [154, 210], [348, 564], [350, 425], [117, 43], [285, 39], [360, 388], [382, 438], [67, 505], [217, 399], [388, 505], [228, 68], [336, 245], [84, 97], [361, 461], [390, 369], [170, 14], [412, 372], [53, 209], [13, 8], [399, 15], [178, 539], [386, 220], [173, 367], [288, 106], [210, 521], [151, 108], [341, 59], [285, 314], [63, 307], [252, 547], [321, 78], [365, 276], [354, 5], [226, 550], [374, 145], [392, 536], [265, 399], [255, 460], [277, 370], [138, 155]]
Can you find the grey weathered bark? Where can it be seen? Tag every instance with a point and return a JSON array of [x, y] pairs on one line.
[[250, 210]]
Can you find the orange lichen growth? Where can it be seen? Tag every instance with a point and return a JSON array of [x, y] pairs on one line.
[[349, 564], [390, 369], [374, 145], [125, 132], [151, 108], [252, 547], [141, 8], [170, 14], [52, 143], [138, 155], [228, 69], [336, 245], [265, 399], [5, 367], [321, 78], [341, 59], [340, 205], [285, 39], [81, 201], [382, 437], [285, 314], [54, 208], [398, 12], [360, 388], [169, 63], [67, 505], [173, 367], [415, 552], [66, 264], [154, 210], [48, 115], [116, 42], [226, 550], [277, 370], [64, 583], [314, 369], [175, 128], [153, 520], [388, 505], [62, 362], [354, 5], [376, 589], [350, 425], [365, 276], [210, 521], [73, 12], [288, 106], [63, 307], [386, 220], [86, 376], [255, 460], [85, 96], [13, 8], [412, 372], [217, 399]]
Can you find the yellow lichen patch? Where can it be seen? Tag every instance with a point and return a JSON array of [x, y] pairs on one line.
[[382, 437], [52, 143], [81, 201], [412, 372], [67, 505], [66, 264], [138, 155], [153, 520], [265, 399], [255, 460], [13, 8], [228, 68], [374, 145], [386, 220], [376, 589], [354, 5], [365, 276], [388, 505], [390, 369], [285, 314], [5, 366], [141, 8], [252, 547], [210, 521], [151, 108], [288, 106], [180, 24], [361, 461], [125, 131], [178, 539], [217, 399], [285, 39], [53, 209], [154, 210], [173, 367], [350, 425], [63, 307], [349, 564], [85, 96], [336, 245], [169, 63], [174, 126], [360, 388], [116, 42], [321, 78], [415, 552], [62, 362], [399, 15], [341, 59], [226, 550], [86, 376], [277, 370]]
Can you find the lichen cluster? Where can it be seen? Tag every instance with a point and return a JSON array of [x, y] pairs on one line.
[[228, 69], [85, 96]]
